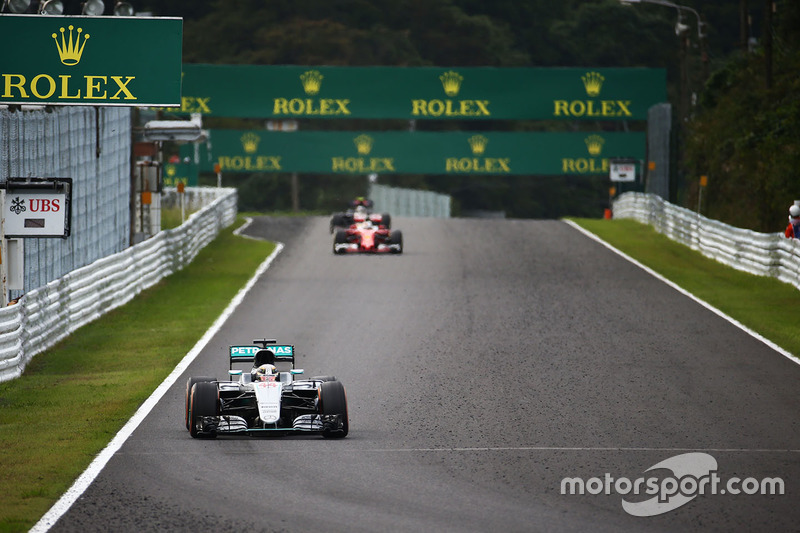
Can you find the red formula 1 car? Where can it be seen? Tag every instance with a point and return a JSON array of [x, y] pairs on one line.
[[366, 237], [360, 209]]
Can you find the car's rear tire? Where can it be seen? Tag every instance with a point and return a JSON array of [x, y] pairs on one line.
[[334, 402], [396, 237], [189, 383], [386, 220], [336, 221], [203, 401]]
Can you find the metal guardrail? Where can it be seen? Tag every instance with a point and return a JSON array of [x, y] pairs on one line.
[[46, 315], [409, 202], [763, 254]]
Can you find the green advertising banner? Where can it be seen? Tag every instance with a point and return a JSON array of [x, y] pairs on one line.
[[100, 61], [175, 173], [287, 92], [463, 153]]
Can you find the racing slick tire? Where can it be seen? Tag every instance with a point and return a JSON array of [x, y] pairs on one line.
[[386, 220], [189, 383], [396, 237], [336, 221], [340, 238], [333, 401], [203, 401]]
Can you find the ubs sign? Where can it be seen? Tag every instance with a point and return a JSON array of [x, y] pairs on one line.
[[37, 207]]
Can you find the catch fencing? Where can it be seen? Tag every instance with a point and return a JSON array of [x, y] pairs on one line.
[[763, 254], [46, 315], [92, 146], [409, 202]]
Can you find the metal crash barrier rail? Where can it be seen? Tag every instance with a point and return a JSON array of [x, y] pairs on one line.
[[48, 314], [763, 254]]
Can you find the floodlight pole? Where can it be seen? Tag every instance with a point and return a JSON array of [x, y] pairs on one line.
[[701, 36]]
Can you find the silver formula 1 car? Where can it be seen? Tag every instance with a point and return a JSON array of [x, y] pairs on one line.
[[267, 399]]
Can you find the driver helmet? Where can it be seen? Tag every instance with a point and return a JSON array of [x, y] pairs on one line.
[[263, 372], [794, 211], [367, 223], [358, 218]]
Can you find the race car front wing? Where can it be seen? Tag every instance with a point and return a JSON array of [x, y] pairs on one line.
[[227, 424]]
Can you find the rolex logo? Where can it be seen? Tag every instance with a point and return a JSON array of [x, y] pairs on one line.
[[595, 144], [363, 144], [451, 81], [68, 50], [250, 142], [312, 81], [171, 170], [478, 144], [593, 82]]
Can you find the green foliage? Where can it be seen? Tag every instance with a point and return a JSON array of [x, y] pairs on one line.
[[746, 138]]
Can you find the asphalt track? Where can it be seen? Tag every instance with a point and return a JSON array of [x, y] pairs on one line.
[[483, 366]]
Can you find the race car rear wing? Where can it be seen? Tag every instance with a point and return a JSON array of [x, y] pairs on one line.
[[247, 353]]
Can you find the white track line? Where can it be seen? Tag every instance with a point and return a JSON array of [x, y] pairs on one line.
[[445, 449], [707, 305], [96, 466]]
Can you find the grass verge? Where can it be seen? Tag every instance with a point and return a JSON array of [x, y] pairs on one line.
[[73, 398], [765, 305]]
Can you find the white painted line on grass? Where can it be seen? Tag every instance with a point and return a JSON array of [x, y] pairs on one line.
[[88, 476], [705, 304]]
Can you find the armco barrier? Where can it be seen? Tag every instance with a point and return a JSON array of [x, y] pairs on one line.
[[409, 202], [763, 254], [46, 315]]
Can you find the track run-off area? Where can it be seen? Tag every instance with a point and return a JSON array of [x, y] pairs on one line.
[[486, 365]]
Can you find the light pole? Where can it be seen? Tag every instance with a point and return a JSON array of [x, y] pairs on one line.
[[681, 28]]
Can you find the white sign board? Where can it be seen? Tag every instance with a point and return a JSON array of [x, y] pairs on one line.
[[623, 171], [35, 214]]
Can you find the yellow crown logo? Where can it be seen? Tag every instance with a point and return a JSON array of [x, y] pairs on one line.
[[171, 170], [70, 51], [478, 144], [250, 142], [363, 144], [451, 81], [312, 81], [593, 82], [595, 144]]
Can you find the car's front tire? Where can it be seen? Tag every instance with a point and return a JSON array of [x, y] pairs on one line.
[[334, 402], [203, 401], [340, 238], [189, 384], [396, 237]]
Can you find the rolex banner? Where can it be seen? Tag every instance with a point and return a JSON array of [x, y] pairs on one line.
[[100, 61], [283, 92], [500, 153]]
